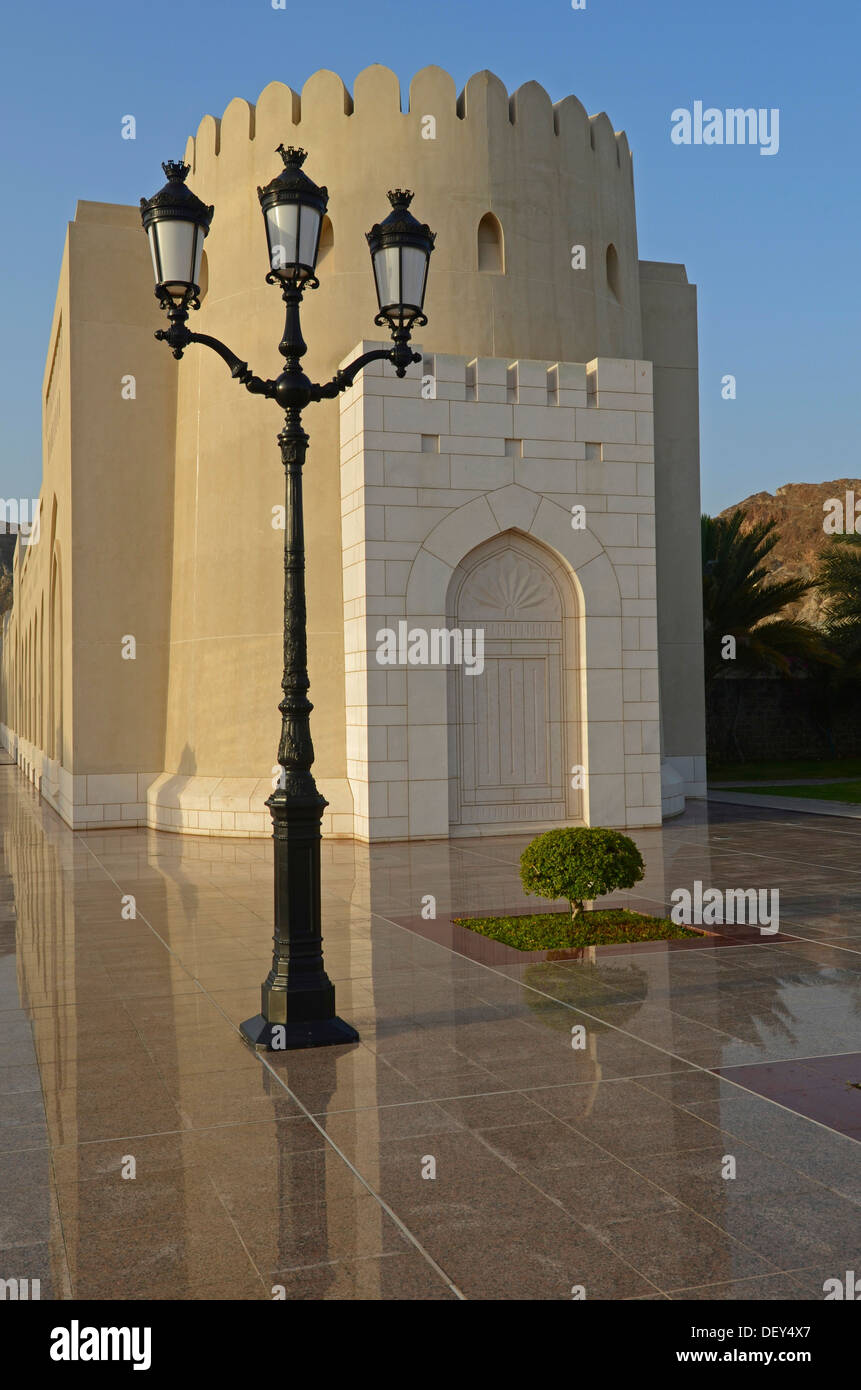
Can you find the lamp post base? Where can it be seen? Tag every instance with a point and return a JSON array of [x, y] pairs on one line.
[[287, 1037]]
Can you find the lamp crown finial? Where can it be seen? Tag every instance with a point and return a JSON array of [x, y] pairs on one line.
[[176, 169], [400, 197], [292, 155]]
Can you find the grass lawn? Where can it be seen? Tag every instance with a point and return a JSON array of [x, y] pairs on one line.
[[762, 772], [826, 791], [548, 931]]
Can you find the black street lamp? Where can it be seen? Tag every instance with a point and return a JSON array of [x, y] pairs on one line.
[[297, 996]]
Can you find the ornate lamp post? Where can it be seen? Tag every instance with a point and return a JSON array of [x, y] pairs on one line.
[[297, 996]]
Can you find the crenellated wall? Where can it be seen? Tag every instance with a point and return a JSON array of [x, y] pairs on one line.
[[553, 177], [168, 504]]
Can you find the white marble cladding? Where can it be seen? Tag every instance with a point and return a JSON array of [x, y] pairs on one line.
[[222, 806], [441, 461], [692, 771]]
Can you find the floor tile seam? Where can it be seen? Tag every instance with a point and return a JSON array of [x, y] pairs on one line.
[[678, 1202], [817, 941], [404, 1229], [784, 858], [769, 820], [200, 988], [141, 917], [749, 1143], [733, 1241], [249, 1256], [812, 806], [53, 1194], [574, 1009], [402, 1226], [799, 1180], [595, 1143], [393, 1065], [807, 1268], [174, 1133], [776, 945], [599, 1233], [468, 1095], [555, 1201], [825, 829], [779, 1061], [478, 1095], [746, 1278], [465, 1057], [685, 1019], [796, 1114], [695, 1066], [626, 1033], [149, 925], [346, 1260], [488, 858]]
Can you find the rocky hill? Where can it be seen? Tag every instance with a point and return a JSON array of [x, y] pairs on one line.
[[798, 510], [8, 541]]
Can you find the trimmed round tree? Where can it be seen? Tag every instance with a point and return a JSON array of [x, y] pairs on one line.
[[580, 864]]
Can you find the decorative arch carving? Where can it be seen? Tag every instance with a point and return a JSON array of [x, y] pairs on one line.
[[514, 729]]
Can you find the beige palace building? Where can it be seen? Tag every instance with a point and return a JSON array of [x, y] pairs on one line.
[[535, 480]]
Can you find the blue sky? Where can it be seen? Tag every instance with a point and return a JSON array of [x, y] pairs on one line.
[[772, 242]]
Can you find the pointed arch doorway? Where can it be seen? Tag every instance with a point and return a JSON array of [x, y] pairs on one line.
[[514, 729]]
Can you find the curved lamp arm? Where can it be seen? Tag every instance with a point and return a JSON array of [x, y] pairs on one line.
[[238, 369], [179, 336], [400, 356]]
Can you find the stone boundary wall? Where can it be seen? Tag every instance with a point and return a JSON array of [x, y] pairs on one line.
[[759, 718]]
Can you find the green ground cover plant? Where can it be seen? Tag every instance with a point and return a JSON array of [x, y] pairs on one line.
[[549, 931], [802, 767]]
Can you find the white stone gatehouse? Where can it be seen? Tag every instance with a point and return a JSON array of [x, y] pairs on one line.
[[514, 499]]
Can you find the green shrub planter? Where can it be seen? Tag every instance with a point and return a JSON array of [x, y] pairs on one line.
[[578, 863]]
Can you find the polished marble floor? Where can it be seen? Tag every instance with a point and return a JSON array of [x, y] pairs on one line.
[[697, 1145]]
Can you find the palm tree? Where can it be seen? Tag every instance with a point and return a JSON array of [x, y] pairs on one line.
[[738, 601], [839, 578]]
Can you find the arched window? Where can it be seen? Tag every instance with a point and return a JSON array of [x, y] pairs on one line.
[[614, 281], [327, 240], [490, 247]]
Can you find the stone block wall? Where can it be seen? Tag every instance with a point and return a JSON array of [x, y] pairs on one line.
[[441, 462]]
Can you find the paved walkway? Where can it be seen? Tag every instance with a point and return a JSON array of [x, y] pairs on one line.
[[606, 1167], [741, 783], [808, 805]]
